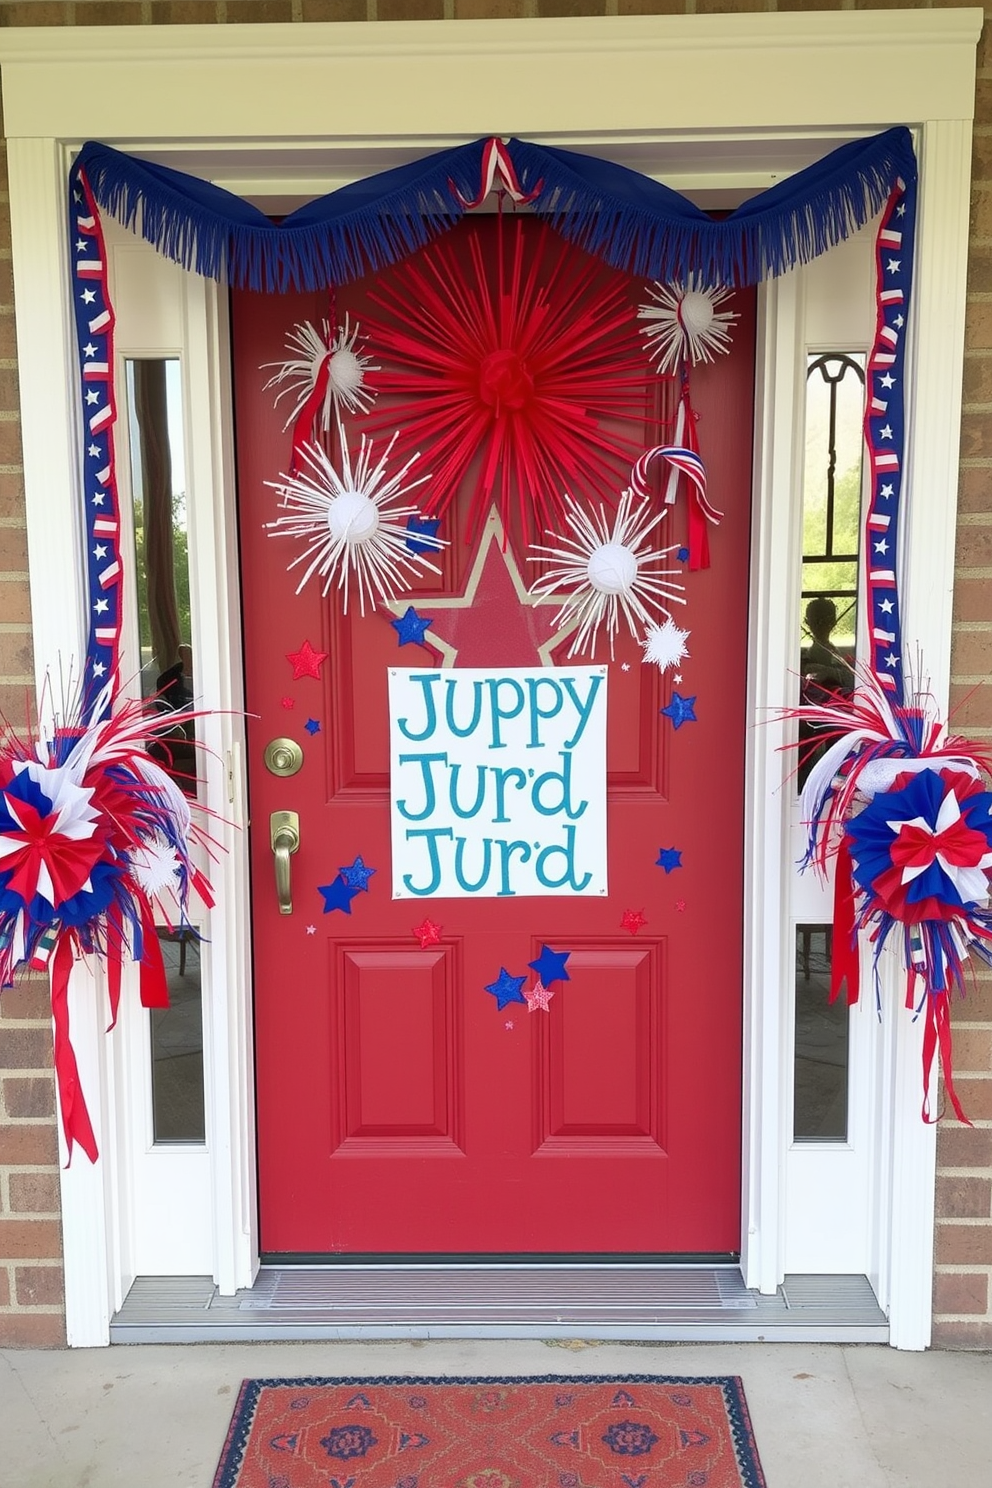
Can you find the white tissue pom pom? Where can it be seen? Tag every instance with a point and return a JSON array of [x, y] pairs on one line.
[[347, 389], [685, 323], [607, 571], [353, 523]]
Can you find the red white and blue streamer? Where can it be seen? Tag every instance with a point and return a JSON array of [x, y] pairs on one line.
[[94, 321], [885, 430]]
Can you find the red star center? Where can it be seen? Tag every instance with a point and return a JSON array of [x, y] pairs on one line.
[[427, 933], [633, 919], [306, 662], [495, 622]]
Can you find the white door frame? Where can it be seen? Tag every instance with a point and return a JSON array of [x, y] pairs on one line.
[[284, 112]]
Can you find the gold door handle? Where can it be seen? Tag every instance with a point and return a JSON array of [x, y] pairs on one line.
[[284, 839]]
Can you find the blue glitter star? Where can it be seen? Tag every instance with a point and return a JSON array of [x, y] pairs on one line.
[[550, 965], [312, 726], [682, 554], [357, 876], [669, 858], [337, 895], [419, 527], [680, 710], [411, 627], [506, 988]]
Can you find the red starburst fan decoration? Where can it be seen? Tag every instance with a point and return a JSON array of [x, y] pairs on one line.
[[525, 361]]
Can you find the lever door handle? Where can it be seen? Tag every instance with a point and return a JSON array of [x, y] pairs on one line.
[[284, 839]]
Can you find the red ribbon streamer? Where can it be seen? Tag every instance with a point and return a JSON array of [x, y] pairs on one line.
[[303, 428], [937, 1035], [845, 964], [76, 1125], [154, 987]]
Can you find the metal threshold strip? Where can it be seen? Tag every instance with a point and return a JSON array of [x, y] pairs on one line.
[[637, 1303]]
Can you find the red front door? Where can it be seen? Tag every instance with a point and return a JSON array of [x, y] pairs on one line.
[[400, 1109]]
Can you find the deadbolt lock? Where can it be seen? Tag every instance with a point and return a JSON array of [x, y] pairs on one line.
[[283, 756]]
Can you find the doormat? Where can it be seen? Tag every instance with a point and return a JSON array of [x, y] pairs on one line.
[[547, 1432]]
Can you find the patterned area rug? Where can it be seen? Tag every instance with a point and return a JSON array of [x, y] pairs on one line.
[[548, 1432]]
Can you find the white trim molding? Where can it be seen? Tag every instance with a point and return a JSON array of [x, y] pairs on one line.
[[719, 106]]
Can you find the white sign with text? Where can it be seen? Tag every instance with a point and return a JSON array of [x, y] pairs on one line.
[[497, 782]]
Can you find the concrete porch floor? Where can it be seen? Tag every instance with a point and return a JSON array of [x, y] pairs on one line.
[[825, 1415]]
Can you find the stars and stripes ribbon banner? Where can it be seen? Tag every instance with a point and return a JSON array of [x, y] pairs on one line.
[[94, 321], [885, 430]]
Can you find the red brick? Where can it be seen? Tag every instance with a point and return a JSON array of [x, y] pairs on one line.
[[963, 1198], [13, 549], [29, 997], [983, 101], [955, 1291], [34, 1193], [975, 1097], [809, 5], [32, 1330], [971, 653], [958, 1335], [974, 547], [183, 12], [977, 379], [974, 488], [964, 1245], [489, 10], [255, 12], [15, 602], [410, 10], [18, 705], [8, 337], [976, 438], [981, 212], [963, 1146], [32, 1097], [25, 1048], [972, 599], [981, 156], [973, 1051], [721, 7], [108, 13], [979, 268], [31, 1239], [35, 13], [335, 10], [28, 1146], [38, 1286], [4, 1287], [971, 702], [16, 656]]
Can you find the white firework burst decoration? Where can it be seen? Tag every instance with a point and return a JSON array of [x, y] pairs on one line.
[[346, 388], [609, 570], [353, 523], [665, 645], [686, 323]]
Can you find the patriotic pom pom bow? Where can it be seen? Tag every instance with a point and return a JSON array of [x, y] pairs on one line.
[[904, 812], [94, 835]]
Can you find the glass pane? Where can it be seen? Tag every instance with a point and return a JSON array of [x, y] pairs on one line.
[[162, 554], [832, 483], [177, 1045], [822, 1043]]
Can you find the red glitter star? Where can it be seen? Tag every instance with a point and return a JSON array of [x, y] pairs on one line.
[[288, 702], [633, 919], [427, 933], [680, 905], [539, 996], [306, 662]]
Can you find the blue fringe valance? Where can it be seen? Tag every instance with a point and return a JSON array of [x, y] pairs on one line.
[[621, 216]]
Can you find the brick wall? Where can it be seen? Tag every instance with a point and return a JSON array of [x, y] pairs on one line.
[[30, 1279]]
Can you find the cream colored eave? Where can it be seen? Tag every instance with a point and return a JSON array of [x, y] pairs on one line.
[[402, 79]]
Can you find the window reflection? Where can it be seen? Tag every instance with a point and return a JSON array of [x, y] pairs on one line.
[[822, 1046], [177, 1045], [162, 555], [832, 483]]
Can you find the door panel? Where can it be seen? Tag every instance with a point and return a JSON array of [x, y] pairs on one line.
[[399, 1110]]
